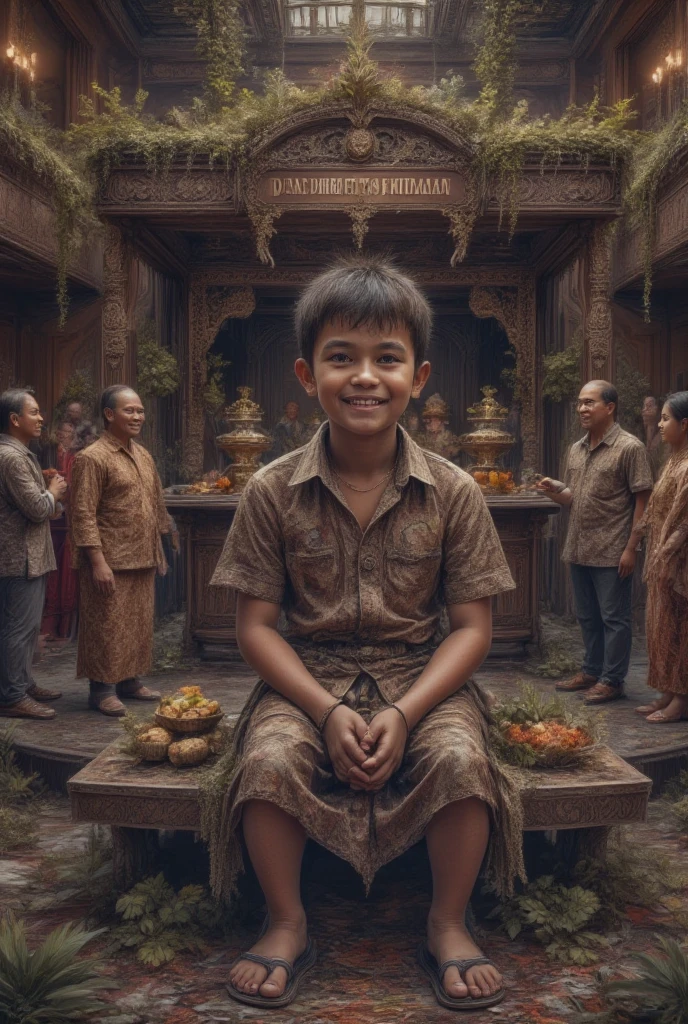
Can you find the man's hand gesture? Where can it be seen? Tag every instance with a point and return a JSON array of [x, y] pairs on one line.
[[344, 730]]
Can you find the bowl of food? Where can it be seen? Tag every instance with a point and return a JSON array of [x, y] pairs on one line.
[[188, 712], [539, 731]]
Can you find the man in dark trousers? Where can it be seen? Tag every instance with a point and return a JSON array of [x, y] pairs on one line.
[[26, 554], [607, 484]]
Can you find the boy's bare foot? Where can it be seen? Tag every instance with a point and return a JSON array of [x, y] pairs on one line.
[[285, 939], [448, 940]]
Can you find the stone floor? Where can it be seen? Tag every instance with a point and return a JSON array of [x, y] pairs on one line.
[[77, 730], [366, 971]]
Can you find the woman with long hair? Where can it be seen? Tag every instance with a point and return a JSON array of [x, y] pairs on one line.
[[665, 525]]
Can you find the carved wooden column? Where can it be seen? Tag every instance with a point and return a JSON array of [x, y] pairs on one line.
[[514, 309], [211, 302], [598, 321], [114, 318]]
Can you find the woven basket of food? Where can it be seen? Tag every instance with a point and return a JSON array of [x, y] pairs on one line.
[[188, 712], [540, 731], [152, 744], [188, 752]]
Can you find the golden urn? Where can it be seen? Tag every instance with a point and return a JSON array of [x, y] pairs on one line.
[[247, 442], [488, 441]]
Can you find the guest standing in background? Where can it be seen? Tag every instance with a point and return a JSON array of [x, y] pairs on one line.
[[117, 517], [62, 592], [653, 438], [665, 524], [607, 484], [26, 554]]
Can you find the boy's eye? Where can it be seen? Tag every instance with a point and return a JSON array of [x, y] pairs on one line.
[[339, 357], [388, 358]]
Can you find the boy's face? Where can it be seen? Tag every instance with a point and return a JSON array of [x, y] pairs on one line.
[[362, 379]]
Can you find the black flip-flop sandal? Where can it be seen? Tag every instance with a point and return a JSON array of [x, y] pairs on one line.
[[295, 973], [436, 974]]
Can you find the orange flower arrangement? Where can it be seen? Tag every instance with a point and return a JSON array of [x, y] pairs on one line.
[[549, 734]]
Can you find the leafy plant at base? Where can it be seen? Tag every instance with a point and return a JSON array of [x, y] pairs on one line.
[[78, 876], [48, 984], [28, 138], [18, 792], [558, 660], [660, 991], [562, 379], [557, 916], [159, 922], [157, 370]]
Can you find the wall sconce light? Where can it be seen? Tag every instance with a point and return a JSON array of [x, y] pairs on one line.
[[657, 76], [22, 61]]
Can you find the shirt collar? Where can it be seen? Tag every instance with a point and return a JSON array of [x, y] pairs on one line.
[[112, 442], [314, 461], [609, 438], [12, 442]]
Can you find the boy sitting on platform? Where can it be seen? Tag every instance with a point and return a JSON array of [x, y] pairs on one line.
[[366, 732]]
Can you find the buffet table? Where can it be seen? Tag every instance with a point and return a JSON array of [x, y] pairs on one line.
[[204, 520]]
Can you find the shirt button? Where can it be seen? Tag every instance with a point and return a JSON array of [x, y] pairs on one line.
[[369, 563]]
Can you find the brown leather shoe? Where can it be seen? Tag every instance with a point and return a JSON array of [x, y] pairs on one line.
[[40, 694], [107, 703], [26, 708], [134, 690], [603, 693], [581, 681]]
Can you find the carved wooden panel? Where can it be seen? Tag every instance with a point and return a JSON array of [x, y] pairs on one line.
[[113, 789]]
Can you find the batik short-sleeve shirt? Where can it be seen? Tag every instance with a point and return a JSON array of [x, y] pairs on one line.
[[371, 596]]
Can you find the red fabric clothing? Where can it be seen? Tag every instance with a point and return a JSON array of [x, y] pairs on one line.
[[62, 591]]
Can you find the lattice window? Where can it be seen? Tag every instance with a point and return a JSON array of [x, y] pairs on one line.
[[385, 18]]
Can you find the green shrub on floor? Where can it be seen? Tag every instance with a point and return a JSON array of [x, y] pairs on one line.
[[18, 792], [159, 922], [48, 985], [556, 915]]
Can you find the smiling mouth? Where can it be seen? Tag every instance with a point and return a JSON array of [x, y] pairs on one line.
[[364, 403]]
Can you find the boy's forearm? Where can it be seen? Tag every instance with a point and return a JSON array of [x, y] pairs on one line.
[[279, 665], [452, 665]]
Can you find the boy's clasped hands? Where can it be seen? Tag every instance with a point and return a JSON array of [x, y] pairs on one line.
[[365, 755]]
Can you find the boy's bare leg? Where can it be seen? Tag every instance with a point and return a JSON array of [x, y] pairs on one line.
[[275, 843], [457, 838]]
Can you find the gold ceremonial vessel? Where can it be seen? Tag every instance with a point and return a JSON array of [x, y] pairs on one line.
[[488, 441], [247, 442]]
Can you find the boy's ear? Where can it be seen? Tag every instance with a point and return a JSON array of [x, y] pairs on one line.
[[305, 375], [420, 379]]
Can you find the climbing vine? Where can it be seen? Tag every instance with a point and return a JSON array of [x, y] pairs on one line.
[[221, 44], [653, 158]]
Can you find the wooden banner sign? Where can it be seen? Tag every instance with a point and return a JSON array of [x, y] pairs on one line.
[[393, 186]]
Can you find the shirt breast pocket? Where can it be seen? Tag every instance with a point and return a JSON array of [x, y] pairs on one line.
[[313, 570], [416, 576]]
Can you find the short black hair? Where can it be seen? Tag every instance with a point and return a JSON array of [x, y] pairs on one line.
[[363, 291], [678, 405], [108, 399], [11, 401]]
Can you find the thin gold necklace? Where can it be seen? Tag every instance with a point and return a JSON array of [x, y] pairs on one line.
[[362, 490]]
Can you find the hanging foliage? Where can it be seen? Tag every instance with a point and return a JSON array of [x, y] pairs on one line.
[[28, 139], [562, 377], [221, 44], [495, 64], [157, 371], [653, 158]]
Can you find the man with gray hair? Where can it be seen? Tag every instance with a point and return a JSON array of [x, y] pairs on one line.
[[26, 554], [606, 485]]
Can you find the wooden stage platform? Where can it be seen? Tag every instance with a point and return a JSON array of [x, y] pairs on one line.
[[60, 747]]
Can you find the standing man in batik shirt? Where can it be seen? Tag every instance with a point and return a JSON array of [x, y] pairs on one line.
[[26, 554], [118, 516], [607, 484]]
